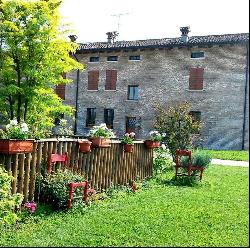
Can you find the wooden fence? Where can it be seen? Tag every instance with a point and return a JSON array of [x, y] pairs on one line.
[[103, 167]]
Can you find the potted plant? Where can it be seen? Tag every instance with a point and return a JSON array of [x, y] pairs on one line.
[[15, 138], [154, 140], [100, 136], [128, 141], [84, 146]]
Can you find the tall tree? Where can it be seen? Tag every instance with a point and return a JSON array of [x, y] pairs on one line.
[[34, 53]]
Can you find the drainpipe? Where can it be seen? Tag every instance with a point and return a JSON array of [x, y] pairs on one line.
[[245, 101], [77, 94]]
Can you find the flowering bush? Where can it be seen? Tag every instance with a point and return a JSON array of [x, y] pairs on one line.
[[128, 138], [101, 131], [156, 136], [30, 206], [15, 131]]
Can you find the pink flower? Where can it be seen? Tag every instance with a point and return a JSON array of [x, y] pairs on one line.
[[30, 206]]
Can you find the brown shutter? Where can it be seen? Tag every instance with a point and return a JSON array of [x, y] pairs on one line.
[[93, 79], [196, 79], [60, 91], [111, 79]]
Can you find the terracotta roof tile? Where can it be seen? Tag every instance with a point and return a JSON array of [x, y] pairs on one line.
[[166, 42]]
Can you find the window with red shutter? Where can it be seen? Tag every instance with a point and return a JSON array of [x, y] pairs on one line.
[[196, 79], [60, 88], [111, 79], [60, 91], [93, 80]]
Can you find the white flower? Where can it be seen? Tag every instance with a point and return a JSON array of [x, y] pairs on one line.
[[103, 125], [163, 147], [24, 127], [13, 122], [8, 126], [132, 134], [63, 122], [163, 134]]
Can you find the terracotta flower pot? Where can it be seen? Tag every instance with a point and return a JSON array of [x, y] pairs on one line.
[[100, 142], [12, 146], [152, 144], [84, 146], [128, 148]]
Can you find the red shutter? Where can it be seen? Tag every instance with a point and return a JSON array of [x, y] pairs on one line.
[[196, 79], [111, 79], [93, 79], [60, 91]]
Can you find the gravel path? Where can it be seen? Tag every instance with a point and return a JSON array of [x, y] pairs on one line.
[[230, 162]]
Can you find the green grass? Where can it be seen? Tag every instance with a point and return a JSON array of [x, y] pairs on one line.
[[229, 155], [213, 213]]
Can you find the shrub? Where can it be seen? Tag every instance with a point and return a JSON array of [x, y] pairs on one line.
[[162, 160], [199, 158], [8, 202], [54, 187]]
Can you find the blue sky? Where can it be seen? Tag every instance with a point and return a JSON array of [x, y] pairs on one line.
[[152, 19]]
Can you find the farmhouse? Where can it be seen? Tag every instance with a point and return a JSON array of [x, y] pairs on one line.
[[123, 80]]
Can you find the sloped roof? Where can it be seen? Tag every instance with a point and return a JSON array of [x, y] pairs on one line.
[[165, 42]]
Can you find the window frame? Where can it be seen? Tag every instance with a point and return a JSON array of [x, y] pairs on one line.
[[129, 58], [90, 122], [109, 120], [95, 58], [134, 93], [197, 52], [112, 56]]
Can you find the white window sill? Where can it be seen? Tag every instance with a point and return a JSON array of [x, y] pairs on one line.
[[196, 90], [92, 90]]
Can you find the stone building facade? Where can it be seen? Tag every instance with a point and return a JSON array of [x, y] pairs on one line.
[[122, 81]]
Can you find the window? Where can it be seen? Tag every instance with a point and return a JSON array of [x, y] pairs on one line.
[[196, 55], [91, 115], [57, 120], [196, 116], [196, 79], [130, 124], [134, 57], [93, 79], [60, 88], [111, 79], [94, 59], [109, 117], [133, 92], [112, 58]]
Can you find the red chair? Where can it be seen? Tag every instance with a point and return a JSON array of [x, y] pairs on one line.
[[190, 167], [52, 159]]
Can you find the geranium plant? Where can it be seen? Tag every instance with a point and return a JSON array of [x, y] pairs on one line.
[[15, 131], [101, 131], [128, 138], [155, 136]]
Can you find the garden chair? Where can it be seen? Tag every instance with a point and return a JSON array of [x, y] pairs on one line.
[[52, 159], [190, 168]]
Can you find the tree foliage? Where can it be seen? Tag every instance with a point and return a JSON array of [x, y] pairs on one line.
[[180, 128], [34, 53]]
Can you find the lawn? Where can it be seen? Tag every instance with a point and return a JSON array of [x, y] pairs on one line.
[[229, 155], [212, 213]]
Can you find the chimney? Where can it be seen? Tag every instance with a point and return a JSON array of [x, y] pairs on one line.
[[184, 33], [112, 36], [73, 37]]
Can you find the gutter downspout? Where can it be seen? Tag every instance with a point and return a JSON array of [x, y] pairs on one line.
[[77, 94], [245, 102]]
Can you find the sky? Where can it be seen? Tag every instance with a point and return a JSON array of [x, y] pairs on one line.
[[153, 19]]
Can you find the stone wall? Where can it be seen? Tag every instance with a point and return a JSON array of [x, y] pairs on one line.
[[163, 76]]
